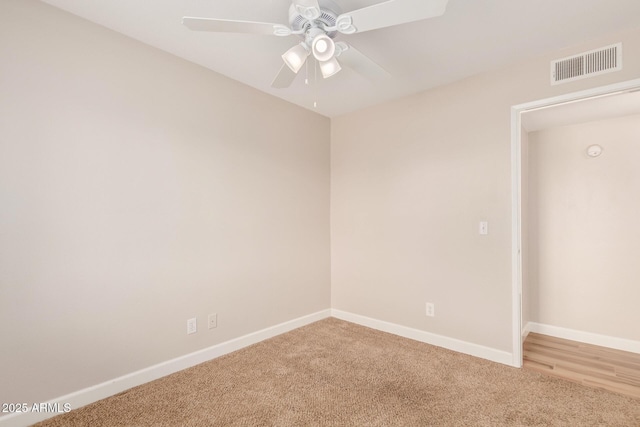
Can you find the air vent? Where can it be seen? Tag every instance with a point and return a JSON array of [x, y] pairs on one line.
[[587, 64]]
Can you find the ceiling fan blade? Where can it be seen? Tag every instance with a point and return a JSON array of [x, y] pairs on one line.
[[393, 12], [284, 78], [230, 26], [361, 63]]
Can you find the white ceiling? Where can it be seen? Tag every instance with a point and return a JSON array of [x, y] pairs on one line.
[[473, 36]]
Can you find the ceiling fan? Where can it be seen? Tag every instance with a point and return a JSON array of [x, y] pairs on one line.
[[317, 23]]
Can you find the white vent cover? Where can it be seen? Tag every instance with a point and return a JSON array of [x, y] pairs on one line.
[[587, 64]]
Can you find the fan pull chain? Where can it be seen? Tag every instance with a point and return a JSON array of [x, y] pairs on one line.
[[306, 78], [315, 84]]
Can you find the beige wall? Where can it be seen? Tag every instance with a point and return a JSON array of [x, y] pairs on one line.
[[586, 234], [410, 181], [138, 190]]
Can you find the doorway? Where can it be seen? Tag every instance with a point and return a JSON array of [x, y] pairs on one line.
[[622, 99]]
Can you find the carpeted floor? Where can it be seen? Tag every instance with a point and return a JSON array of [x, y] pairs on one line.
[[335, 373]]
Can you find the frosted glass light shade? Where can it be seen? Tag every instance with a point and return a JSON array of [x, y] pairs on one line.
[[330, 67], [296, 57], [323, 48]]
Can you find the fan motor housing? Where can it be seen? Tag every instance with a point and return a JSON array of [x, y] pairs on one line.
[[329, 12]]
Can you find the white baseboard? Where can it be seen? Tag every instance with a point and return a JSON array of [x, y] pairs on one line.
[[109, 388], [476, 350], [586, 337]]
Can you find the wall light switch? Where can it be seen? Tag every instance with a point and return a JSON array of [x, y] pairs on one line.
[[484, 228]]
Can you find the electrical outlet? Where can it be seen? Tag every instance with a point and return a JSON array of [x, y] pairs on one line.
[[192, 326], [213, 320], [483, 228], [431, 309]]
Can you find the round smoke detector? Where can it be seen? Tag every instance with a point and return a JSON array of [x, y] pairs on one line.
[[594, 150], [329, 12]]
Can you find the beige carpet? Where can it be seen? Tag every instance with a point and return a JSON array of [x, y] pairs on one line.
[[335, 373]]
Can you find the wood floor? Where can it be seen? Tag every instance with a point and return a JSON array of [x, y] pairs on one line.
[[590, 365]]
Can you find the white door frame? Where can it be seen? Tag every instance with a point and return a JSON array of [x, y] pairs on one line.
[[516, 193]]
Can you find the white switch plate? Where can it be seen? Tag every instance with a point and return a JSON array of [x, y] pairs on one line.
[[213, 320], [484, 228], [192, 326]]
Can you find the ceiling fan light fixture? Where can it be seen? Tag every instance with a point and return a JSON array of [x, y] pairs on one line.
[[296, 57], [330, 67], [323, 48]]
